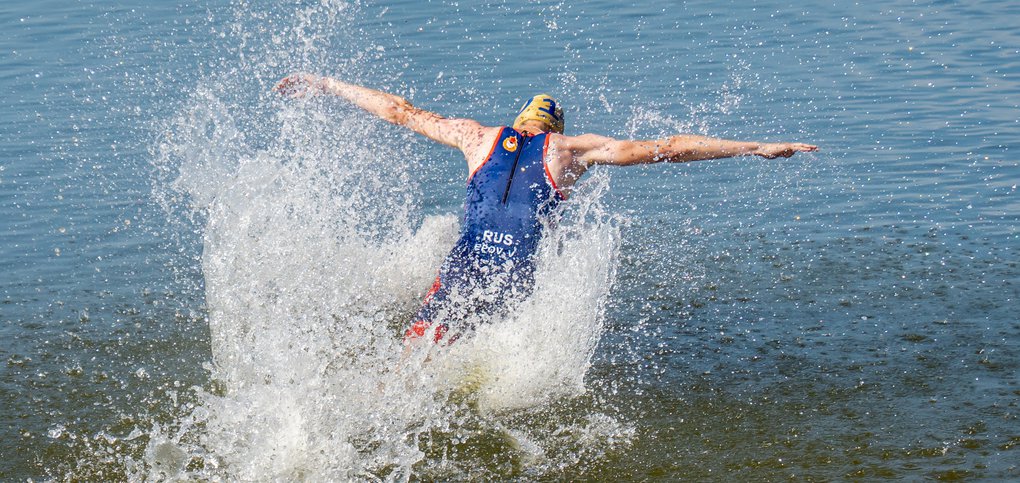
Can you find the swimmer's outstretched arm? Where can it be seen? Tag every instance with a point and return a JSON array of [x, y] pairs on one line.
[[590, 149], [395, 109]]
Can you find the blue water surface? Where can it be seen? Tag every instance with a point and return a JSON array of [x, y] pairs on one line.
[[845, 314]]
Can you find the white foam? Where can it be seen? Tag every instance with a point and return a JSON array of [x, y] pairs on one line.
[[315, 255], [313, 262]]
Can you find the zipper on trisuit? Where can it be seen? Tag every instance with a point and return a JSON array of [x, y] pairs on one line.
[[513, 170]]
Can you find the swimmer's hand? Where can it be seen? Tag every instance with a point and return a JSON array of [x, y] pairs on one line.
[[785, 150], [301, 85]]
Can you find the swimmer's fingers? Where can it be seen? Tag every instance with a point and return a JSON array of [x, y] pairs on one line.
[[298, 85]]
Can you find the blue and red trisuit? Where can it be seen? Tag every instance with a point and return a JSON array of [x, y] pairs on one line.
[[509, 198]]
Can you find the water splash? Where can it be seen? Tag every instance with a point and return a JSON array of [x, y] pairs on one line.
[[312, 270], [315, 253]]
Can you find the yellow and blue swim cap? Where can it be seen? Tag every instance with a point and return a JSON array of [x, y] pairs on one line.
[[542, 108]]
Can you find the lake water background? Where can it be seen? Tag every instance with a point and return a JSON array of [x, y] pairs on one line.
[[841, 314]]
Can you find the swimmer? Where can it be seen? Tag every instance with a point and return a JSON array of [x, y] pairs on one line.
[[517, 176]]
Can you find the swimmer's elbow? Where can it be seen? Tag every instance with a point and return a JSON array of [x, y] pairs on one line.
[[629, 153], [397, 110]]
